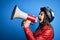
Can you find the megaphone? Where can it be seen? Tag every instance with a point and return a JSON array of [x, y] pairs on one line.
[[17, 13]]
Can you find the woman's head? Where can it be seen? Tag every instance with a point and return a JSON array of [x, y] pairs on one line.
[[46, 14], [41, 16]]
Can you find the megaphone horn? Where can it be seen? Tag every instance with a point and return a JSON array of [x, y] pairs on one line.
[[17, 13]]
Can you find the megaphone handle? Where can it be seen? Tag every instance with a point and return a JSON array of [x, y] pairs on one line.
[[23, 21]]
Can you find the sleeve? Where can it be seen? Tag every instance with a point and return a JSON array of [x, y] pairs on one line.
[[46, 35]]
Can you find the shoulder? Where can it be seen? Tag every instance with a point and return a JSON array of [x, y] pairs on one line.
[[48, 30]]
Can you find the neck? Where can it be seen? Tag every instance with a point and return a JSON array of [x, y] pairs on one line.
[[42, 24]]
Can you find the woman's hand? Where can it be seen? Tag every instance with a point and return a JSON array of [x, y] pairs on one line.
[[26, 23]]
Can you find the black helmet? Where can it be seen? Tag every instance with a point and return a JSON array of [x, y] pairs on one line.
[[49, 13]]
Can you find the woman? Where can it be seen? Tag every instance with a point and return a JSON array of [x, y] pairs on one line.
[[44, 30]]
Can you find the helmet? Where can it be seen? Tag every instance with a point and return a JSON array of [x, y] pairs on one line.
[[49, 13]]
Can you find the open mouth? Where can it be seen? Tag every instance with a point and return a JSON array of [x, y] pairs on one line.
[[39, 18]]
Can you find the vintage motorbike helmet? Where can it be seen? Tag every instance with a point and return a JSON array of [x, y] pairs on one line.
[[49, 13]]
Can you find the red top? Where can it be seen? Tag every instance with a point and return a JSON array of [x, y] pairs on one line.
[[45, 34]]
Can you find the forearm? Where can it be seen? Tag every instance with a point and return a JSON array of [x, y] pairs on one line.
[[29, 33]]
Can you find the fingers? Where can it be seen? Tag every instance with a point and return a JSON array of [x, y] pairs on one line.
[[27, 21]]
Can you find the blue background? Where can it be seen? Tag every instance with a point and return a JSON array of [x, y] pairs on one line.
[[12, 30]]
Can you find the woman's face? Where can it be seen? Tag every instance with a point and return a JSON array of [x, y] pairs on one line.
[[41, 16]]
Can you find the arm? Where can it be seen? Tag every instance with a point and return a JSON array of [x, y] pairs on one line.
[[45, 35]]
